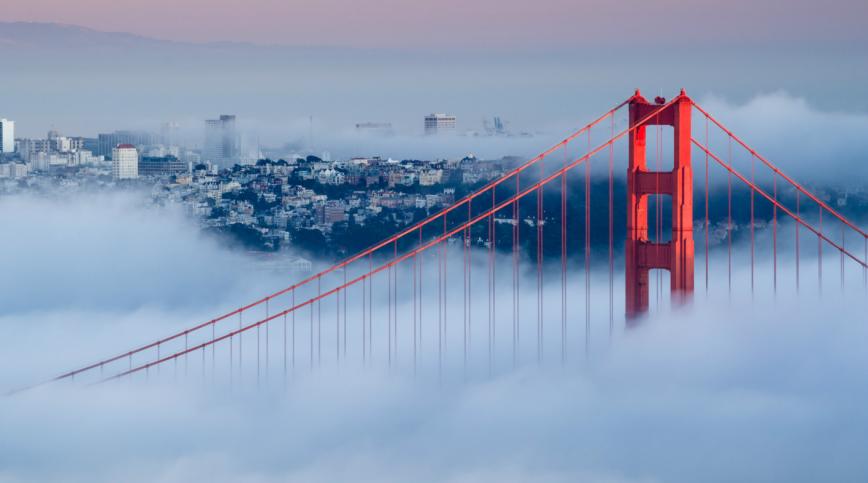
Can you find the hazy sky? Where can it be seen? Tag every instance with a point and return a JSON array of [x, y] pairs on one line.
[[459, 23], [545, 67]]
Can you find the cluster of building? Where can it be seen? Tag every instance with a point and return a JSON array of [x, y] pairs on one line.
[[264, 200], [122, 151], [126, 153], [221, 146], [276, 199]]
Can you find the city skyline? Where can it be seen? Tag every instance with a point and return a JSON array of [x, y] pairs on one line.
[[138, 83]]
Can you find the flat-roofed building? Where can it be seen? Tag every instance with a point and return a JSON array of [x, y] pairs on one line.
[[439, 123], [125, 162]]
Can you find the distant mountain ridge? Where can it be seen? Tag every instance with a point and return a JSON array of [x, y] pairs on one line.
[[44, 35], [39, 34]]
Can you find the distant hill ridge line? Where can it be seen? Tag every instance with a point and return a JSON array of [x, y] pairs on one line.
[[54, 34]]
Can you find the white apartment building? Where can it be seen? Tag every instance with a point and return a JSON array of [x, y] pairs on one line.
[[7, 136], [439, 123], [125, 162]]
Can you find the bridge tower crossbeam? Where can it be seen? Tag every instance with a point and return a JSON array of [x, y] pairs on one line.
[[641, 254]]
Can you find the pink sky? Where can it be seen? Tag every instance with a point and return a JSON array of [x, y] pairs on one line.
[[458, 23]]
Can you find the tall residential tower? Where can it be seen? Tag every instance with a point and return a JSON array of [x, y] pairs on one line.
[[222, 143], [125, 162], [7, 136]]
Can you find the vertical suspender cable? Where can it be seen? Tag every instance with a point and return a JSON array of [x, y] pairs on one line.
[[844, 246], [310, 325], [798, 214], [267, 324], [469, 280], [752, 169], [515, 271], [775, 233], [371, 308], [491, 250], [491, 285], [706, 207], [729, 221], [394, 296], [240, 354], [465, 314], [421, 299], [415, 321], [820, 254], [588, 249], [440, 309], [284, 344], [612, 229], [658, 210], [389, 316], [258, 359], [563, 267], [539, 259], [345, 311], [445, 289], [364, 321]]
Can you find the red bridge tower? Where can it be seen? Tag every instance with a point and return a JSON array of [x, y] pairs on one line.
[[641, 255]]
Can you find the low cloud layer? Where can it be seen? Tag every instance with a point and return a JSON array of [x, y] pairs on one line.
[[767, 391], [107, 251], [748, 395], [815, 146]]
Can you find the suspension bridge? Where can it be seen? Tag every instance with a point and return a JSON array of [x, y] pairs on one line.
[[503, 276]]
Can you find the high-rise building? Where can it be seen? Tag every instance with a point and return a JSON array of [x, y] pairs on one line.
[[7, 136], [169, 132], [498, 125], [107, 142], [439, 123], [222, 143], [125, 162]]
